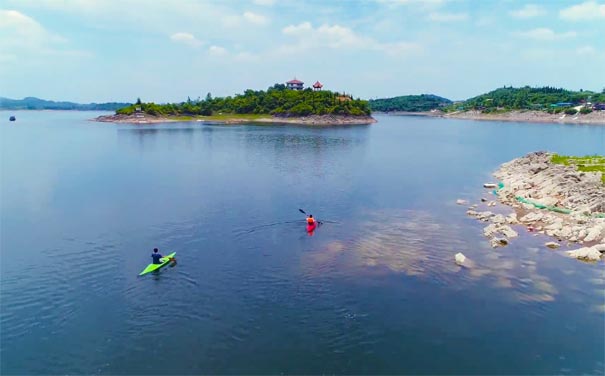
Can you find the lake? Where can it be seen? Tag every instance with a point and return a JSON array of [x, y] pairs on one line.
[[375, 290]]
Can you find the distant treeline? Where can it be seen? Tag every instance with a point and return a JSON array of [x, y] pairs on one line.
[[277, 100], [527, 98], [31, 103], [409, 103]]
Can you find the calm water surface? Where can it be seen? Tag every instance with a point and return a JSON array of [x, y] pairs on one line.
[[374, 290]]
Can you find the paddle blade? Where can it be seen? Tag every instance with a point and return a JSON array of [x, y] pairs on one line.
[[302, 211]]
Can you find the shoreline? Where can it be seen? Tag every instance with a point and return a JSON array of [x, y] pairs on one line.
[[551, 199], [142, 119], [593, 118]]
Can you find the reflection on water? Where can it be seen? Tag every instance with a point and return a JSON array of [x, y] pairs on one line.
[[421, 245]]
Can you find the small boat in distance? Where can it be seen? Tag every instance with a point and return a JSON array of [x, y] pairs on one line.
[[12, 118]]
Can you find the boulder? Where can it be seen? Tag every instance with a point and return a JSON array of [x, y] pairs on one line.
[[499, 219], [485, 216], [512, 218], [461, 202], [586, 253], [498, 242], [593, 234], [490, 185], [552, 245], [508, 231], [459, 257], [532, 217], [490, 230]]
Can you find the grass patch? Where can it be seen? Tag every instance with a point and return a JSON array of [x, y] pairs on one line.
[[235, 117], [221, 117], [589, 163]]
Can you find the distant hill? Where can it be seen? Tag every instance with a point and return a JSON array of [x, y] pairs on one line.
[[31, 103], [409, 103], [528, 98]]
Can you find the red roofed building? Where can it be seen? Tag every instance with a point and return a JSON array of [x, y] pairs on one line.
[[295, 84], [317, 86]]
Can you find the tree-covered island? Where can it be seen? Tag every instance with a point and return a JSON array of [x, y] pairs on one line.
[[277, 104]]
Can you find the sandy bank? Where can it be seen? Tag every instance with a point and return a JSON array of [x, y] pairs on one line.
[[235, 119]]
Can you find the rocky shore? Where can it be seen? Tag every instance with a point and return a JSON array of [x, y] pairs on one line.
[[141, 118], [551, 199], [595, 117]]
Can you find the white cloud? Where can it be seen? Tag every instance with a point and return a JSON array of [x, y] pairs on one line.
[[586, 50], [528, 11], [26, 38], [545, 34], [423, 3], [448, 17], [217, 51], [234, 21], [23, 29], [257, 19], [186, 38], [266, 3], [339, 37], [589, 10]]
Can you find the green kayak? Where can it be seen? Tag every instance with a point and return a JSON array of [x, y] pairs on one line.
[[151, 267]]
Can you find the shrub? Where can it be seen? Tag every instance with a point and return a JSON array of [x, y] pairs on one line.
[[585, 110], [571, 111]]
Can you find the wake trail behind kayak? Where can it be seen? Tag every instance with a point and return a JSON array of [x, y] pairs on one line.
[[297, 223]]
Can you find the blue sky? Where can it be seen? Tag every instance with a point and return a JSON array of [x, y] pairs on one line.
[[108, 50]]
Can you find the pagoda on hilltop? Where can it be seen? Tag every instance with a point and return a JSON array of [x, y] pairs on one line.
[[317, 86], [295, 84]]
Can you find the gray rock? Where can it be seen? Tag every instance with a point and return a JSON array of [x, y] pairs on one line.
[[552, 245], [593, 234], [600, 247], [498, 242], [508, 231], [490, 230], [586, 253], [499, 219]]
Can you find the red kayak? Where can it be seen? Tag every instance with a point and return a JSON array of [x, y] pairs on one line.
[[311, 228]]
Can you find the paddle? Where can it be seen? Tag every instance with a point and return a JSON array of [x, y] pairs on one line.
[[318, 222]]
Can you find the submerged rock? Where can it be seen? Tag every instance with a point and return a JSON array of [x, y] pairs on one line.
[[460, 258], [552, 245], [498, 242], [461, 202]]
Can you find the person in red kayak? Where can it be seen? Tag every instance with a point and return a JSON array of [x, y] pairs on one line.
[[156, 256], [311, 224], [310, 220]]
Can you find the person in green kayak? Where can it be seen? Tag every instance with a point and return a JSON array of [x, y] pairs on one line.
[[156, 256]]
